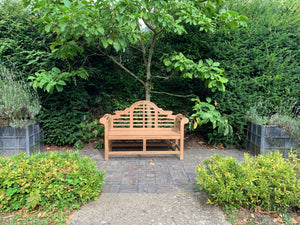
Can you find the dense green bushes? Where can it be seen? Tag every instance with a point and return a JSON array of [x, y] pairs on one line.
[[55, 179], [266, 181], [261, 62]]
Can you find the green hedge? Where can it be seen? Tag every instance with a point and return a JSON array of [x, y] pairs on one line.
[[59, 179], [261, 62]]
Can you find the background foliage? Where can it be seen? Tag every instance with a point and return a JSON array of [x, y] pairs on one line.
[[261, 63]]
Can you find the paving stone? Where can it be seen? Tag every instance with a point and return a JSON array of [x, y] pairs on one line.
[[128, 188]]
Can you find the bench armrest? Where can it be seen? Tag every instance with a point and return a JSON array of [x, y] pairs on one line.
[[106, 121], [181, 121]]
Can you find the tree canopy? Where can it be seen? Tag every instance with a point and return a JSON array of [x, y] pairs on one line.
[[113, 26]]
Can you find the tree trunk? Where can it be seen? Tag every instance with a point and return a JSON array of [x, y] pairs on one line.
[[147, 91]]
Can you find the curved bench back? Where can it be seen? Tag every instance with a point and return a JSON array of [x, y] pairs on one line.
[[143, 115]]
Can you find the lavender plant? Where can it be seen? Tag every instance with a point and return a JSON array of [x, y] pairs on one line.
[[19, 104], [285, 116]]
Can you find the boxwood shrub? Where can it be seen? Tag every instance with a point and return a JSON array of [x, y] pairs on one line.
[[54, 179], [269, 182]]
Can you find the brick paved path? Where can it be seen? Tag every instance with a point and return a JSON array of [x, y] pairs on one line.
[[154, 174]]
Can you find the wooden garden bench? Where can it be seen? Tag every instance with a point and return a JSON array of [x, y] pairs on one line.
[[144, 121]]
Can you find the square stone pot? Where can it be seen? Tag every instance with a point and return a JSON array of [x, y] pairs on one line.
[[16, 140], [269, 138]]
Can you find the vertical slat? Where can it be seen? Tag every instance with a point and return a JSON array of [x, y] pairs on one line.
[[156, 119], [131, 118]]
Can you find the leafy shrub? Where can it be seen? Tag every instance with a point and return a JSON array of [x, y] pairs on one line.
[[205, 113], [89, 130], [260, 61], [18, 103], [47, 180], [266, 181], [62, 113], [78, 145]]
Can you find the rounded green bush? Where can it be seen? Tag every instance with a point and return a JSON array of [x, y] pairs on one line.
[[266, 181], [54, 179]]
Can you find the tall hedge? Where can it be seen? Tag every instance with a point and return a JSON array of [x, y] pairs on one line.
[[261, 62]]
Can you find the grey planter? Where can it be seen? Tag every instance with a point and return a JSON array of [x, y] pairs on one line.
[[269, 138], [16, 140]]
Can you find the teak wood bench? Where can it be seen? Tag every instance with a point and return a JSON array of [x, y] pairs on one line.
[[144, 121]]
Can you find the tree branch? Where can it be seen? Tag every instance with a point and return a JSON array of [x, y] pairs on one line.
[[124, 68], [148, 65], [149, 26], [175, 95], [142, 44], [85, 58], [161, 77]]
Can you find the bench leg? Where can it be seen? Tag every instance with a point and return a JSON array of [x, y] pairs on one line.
[[144, 145], [181, 148], [176, 144], [106, 149]]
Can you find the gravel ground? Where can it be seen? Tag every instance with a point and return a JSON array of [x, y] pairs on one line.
[[149, 208]]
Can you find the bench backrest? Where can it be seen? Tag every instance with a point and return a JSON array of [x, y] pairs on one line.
[[143, 114]]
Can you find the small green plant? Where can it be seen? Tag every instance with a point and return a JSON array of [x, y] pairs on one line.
[[89, 130], [56, 179], [269, 182], [78, 145], [99, 145], [205, 112], [18, 103]]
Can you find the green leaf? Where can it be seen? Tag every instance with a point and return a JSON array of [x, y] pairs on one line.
[[208, 99], [59, 88], [47, 28], [67, 3], [167, 62], [104, 42], [61, 82], [49, 87], [31, 78], [100, 30]]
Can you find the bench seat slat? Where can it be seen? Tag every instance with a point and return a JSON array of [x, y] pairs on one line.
[[127, 134]]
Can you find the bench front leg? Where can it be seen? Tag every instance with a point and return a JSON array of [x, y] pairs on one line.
[[181, 120], [106, 121], [107, 146]]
